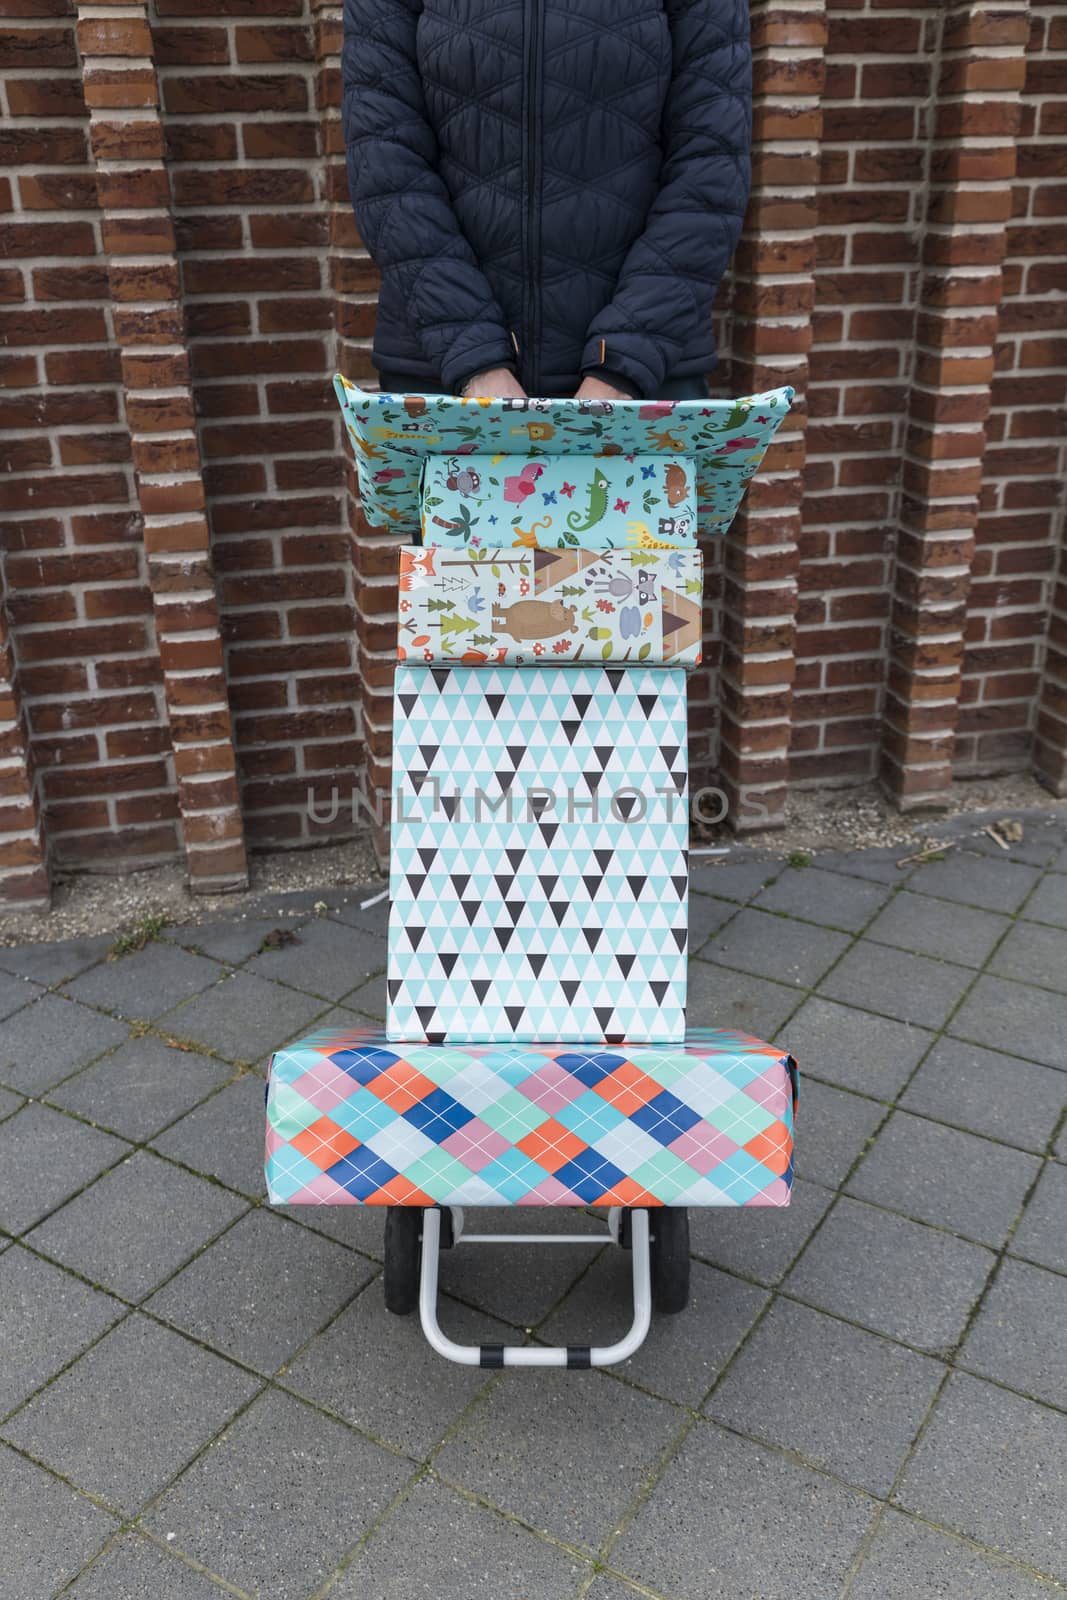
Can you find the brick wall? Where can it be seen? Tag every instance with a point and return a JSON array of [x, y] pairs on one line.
[[196, 626]]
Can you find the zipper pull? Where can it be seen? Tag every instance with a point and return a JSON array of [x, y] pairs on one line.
[[514, 340]]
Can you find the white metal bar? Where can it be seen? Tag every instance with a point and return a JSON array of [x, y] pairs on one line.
[[536, 1238]]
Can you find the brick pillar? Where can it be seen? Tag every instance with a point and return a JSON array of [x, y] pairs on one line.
[[969, 201], [1050, 743], [23, 853], [121, 92], [773, 300]]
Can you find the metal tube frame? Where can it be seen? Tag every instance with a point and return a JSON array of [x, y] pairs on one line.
[[499, 1355]]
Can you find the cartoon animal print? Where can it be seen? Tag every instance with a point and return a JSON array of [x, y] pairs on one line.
[[646, 588], [677, 484], [620, 587], [639, 534], [598, 505], [528, 536], [521, 484], [416, 566], [675, 527], [595, 408], [415, 405], [461, 479], [534, 619]]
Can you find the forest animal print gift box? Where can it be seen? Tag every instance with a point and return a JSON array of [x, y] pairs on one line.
[[596, 502], [549, 607]]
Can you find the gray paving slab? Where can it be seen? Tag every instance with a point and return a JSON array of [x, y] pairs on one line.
[[349, 909], [1042, 1234], [683, 1355], [776, 947], [836, 1128], [51, 1038], [327, 958], [263, 1289], [16, 992], [908, 987], [368, 998], [45, 1157], [721, 998], [136, 1225], [845, 1400], [46, 1319], [140, 1087], [276, 1504], [232, 941], [52, 963], [162, 1398], [1017, 1337], [909, 1561], [1015, 1017], [134, 1568], [759, 1242], [243, 1017], [737, 1510], [732, 880], [931, 927], [360, 1227], [879, 865], [145, 983], [853, 1048], [706, 916], [575, 1492], [609, 1587], [976, 880], [10, 1102], [993, 1466], [450, 1549], [823, 897], [1033, 953], [223, 1137], [892, 1275], [1049, 902], [47, 1531], [377, 1371], [951, 1179], [987, 1092], [539, 1276]]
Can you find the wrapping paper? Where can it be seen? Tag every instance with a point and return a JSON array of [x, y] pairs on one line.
[[549, 607], [353, 1119], [597, 502], [539, 867]]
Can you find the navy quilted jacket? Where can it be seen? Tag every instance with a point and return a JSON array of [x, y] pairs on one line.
[[552, 185]]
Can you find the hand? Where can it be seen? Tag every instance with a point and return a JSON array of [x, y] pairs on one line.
[[597, 389], [499, 383]]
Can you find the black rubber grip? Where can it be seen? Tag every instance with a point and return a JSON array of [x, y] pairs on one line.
[[579, 1355], [492, 1355]]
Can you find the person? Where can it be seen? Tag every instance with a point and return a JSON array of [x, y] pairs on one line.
[[552, 189]]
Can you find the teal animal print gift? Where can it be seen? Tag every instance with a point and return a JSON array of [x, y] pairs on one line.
[[636, 502]]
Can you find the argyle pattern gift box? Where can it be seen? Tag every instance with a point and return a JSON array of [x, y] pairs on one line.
[[355, 1119], [539, 867]]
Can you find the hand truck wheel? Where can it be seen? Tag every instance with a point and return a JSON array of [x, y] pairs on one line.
[[403, 1255], [669, 1227]]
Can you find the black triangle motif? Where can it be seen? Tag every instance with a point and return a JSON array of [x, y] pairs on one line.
[[548, 881], [681, 938], [450, 805], [460, 881], [548, 831], [394, 986], [435, 1038], [604, 1015], [415, 883], [514, 909], [592, 937], [582, 702], [615, 676], [570, 728], [592, 884], [637, 883], [516, 857], [660, 989], [429, 753], [559, 909], [407, 702], [415, 935], [648, 703], [441, 676], [514, 1015], [448, 959], [505, 882], [427, 855], [603, 753], [536, 962], [570, 987], [624, 804], [425, 1014], [681, 884], [470, 909], [625, 964], [503, 936], [481, 987], [494, 703], [517, 753], [669, 752], [604, 859]]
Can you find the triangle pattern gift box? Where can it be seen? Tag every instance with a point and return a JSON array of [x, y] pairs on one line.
[[539, 867]]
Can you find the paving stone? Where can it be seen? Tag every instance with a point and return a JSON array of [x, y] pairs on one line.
[[731, 880], [737, 1514], [942, 1176], [909, 1561], [758, 1242], [975, 880], [369, 999], [46, 1157], [9, 1102], [50, 1039], [327, 959], [617, 1431], [136, 1569], [706, 916], [683, 1355], [836, 1128], [350, 909], [136, 1224], [1049, 903], [518, 1283], [993, 1466], [823, 897], [720, 998], [892, 1275], [15, 993], [986, 1092], [878, 865], [1039, 844], [276, 1503], [845, 1400], [1033, 953], [232, 941], [776, 948], [874, 1055], [611, 1588], [931, 927], [353, 1369], [145, 983], [360, 1227], [224, 1137], [244, 1018], [141, 1086], [1041, 1236], [262, 1290], [46, 1318], [162, 1398], [908, 987], [52, 963], [449, 1549], [1018, 1335], [47, 1532], [1014, 1017]]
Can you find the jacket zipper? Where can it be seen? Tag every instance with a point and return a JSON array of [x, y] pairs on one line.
[[535, 14]]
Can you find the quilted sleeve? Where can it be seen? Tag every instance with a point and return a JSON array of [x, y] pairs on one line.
[[668, 280], [403, 207]]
